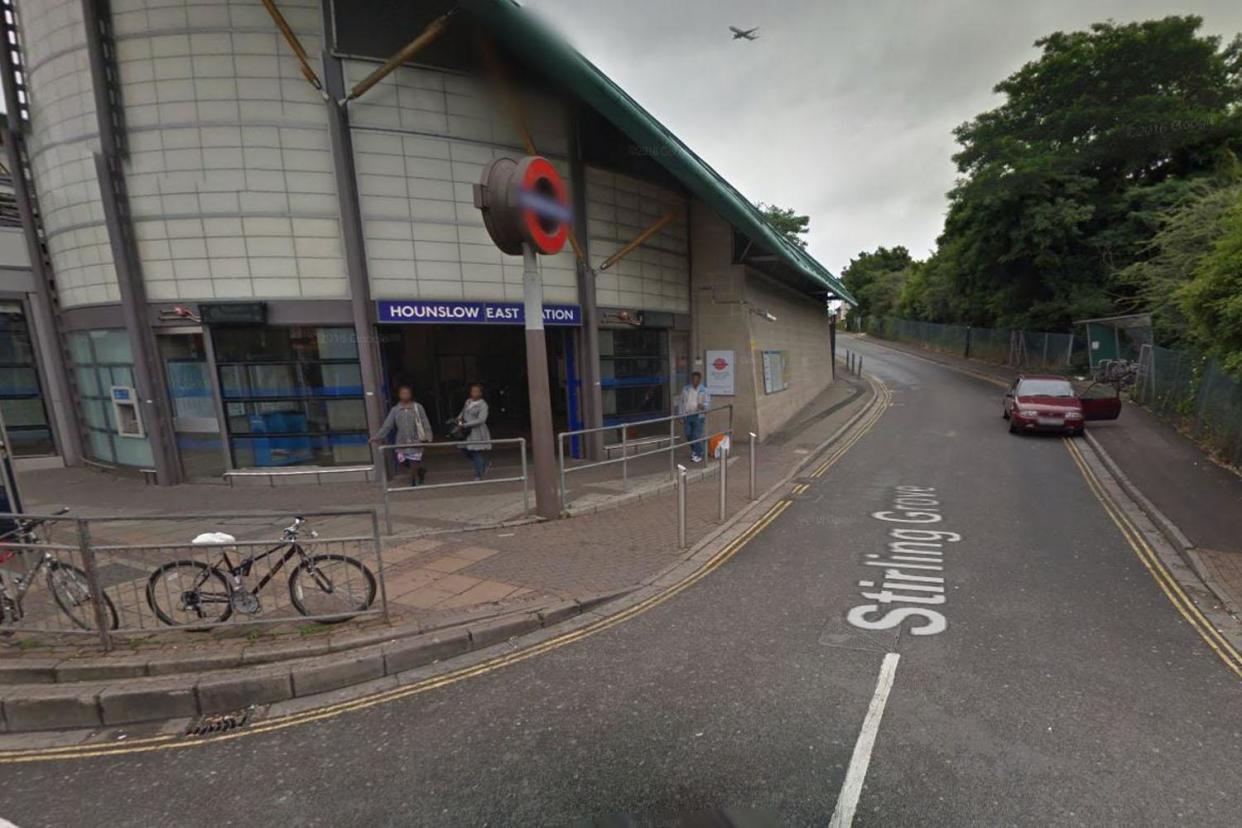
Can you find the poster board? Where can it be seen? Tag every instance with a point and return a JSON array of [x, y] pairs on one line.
[[775, 371], [720, 373]]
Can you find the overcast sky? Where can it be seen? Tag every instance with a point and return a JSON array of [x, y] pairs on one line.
[[843, 109]]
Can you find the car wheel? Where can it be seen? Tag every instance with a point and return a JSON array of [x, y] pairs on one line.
[[1004, 413], [1013, 427], [1079, 431]]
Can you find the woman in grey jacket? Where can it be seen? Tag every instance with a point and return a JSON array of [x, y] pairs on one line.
[[473, 420], [410, 422]]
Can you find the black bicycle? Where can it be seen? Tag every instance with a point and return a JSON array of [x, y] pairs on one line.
[[330, 587], [67, 584]]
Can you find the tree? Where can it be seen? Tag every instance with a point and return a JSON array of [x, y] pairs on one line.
[[1212, 300], [1060, 185], [786, 222], [1185, 234], [876, 279]]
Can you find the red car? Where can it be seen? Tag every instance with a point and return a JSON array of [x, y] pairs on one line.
[[1038, 402]]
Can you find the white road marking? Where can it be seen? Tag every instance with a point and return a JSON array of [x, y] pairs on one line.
[[4, 823], [851, 789]]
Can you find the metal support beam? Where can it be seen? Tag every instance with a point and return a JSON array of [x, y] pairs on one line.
[[296, 45], [361, 306], [426, 37], [154, 407], [638, 240], [156, 417], [592, 390]]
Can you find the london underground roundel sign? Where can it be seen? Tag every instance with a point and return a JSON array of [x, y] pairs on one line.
[[524, 202]]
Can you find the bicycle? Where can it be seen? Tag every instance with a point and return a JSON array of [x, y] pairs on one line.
[[189, 592], [69, 585]]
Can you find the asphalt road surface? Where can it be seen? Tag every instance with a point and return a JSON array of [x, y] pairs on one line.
[[1044, 680]]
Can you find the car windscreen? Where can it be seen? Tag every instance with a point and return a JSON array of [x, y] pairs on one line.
[[1045, 388]]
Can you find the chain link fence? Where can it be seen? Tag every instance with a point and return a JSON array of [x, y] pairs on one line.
[[1194, 393], [1186, 389], [1032, 351]]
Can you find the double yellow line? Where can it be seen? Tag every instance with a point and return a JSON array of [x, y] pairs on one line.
[[176, 741], [1159, 572], [883, 398]]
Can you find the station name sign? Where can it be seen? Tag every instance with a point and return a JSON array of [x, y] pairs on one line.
[[430, 312]]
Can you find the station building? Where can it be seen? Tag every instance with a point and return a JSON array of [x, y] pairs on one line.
[[207, 262]]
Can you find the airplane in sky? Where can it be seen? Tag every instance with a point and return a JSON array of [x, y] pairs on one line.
[[744, 34]]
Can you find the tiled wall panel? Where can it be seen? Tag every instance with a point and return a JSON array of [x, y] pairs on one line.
[[421, 140], [656, 276]]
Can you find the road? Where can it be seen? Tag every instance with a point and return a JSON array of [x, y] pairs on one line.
[[1063, 688]]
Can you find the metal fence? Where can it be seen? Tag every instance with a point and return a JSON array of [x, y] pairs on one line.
[[638, 439], [1187, 389], [386, 479], [1194, 393], [1031, 350], [124, 575]]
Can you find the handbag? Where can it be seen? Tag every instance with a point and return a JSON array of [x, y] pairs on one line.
[[456, 430]]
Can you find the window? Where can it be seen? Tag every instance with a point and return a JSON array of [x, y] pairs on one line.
[[102, 360], [1045, 388], [292, 396], [634, 374], [21, 397]]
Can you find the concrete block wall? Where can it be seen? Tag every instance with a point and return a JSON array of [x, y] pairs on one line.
[[728, 302], [421, 139], [801, 328], [720, 319], [656, 276], [63, 138]]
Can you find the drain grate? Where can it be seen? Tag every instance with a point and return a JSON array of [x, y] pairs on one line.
[[216, 723]]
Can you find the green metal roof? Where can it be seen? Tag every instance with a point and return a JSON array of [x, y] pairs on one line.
[[525, 36]]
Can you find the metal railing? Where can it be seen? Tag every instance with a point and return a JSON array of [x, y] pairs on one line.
[[387, 490], [117, 576], [317, 472], [626, 444]]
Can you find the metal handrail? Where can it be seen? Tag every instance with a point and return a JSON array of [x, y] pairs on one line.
[[625, 455], [386, 490], [294, 472]]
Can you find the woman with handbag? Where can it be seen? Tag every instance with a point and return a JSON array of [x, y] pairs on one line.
[[471, 426], [410, 422]]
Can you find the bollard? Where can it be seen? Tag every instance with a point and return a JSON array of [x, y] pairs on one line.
[[724, 477], [672, 453], [681, 506], [625, 463], [753, 437], [859, 364], [849, 362]]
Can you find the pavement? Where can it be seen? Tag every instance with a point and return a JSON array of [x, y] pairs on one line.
[[1040, 674], [1197, 501], [433, 583]]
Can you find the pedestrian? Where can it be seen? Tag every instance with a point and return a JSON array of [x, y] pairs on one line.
[[410, 422], [473, 421], [695, 400]]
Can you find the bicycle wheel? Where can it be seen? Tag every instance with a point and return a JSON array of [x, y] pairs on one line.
[[185, 593], [69, 587], [334, 586]]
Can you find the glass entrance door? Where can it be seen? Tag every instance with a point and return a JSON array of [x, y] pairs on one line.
[[197, 428]]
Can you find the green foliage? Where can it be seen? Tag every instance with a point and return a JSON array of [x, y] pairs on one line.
[[1212, 301], [1184, 235], [786, 222], [876, 279], [1094, 188]]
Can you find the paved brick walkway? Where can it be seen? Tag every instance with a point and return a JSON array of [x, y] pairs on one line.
[[447, 576]]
